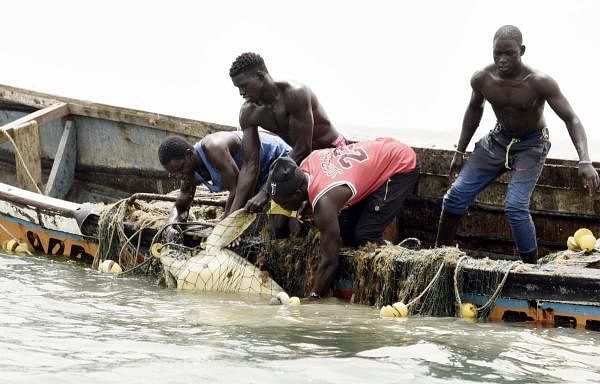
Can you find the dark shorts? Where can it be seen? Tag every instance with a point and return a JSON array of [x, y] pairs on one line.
[[366, 220]]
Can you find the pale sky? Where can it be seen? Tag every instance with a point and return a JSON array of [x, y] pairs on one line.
[[389, 68]]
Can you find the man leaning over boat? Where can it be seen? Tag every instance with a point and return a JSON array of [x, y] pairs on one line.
[[287, 109], [215, 161], [367, 181], [518, 144]]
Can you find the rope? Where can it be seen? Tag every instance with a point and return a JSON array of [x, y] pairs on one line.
[[494, 296], [437, 275], [159, 197], [139, 266], [18, 153], [496, 293], [9, 233], [456, 293], [112, 225], [401, 244], [512, 141]]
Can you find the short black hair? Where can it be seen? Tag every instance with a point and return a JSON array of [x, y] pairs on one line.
[[509, 32], [245, 62], [172, 148]]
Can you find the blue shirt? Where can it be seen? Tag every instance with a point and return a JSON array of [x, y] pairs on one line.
[[271, 148]]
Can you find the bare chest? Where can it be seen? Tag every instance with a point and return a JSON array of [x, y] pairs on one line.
[[511, 94], [272, 118]]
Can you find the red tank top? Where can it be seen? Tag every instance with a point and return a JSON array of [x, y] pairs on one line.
[[363, 166]]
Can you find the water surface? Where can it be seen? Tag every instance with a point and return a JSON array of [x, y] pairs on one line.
[[62, 323]]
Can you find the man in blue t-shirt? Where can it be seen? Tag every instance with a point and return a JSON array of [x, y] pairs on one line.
[[214, 161]]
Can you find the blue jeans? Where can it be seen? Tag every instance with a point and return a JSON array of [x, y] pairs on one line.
[[524, 161]]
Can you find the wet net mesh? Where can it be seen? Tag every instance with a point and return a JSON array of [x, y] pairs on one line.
[[432, 282], [216, 268], [219, 270], [126, 229]]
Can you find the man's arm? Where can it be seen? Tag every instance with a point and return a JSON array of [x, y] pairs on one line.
[[470, 123], [179, 212], [301, 123], [548, 87], [248, 175], [325, 217], [258, 201]]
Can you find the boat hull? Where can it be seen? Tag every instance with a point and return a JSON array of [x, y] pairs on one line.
[[47, 226], [115, 156]]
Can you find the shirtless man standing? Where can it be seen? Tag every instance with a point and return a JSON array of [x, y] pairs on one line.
[[518, 144], [289, 110]]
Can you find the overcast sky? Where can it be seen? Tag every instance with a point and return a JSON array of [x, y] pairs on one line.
[[393, 68]]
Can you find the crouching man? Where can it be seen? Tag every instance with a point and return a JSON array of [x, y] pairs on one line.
[[367, 181], [215, 161]]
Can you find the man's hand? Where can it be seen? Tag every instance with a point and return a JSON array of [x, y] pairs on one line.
[[305, 213], [455, 166], [235, 242], [589, 177], [257, 203], [171, 234]]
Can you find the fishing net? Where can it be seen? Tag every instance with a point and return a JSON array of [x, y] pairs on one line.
[[216, 268], [432, 282], [573, 258], [292, 262], [127, 227], [420, 278], [486, 279]]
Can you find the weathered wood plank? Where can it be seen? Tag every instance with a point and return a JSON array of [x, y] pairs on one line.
[[167, 123], [557, 173], [29, 164], [541, 282], [485, 227], [544, 198], [63, 169], [41, 117]]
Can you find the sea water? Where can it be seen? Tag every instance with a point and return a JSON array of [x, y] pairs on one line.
[[64, 323]]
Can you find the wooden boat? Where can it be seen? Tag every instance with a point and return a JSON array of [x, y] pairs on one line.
[[80, 152]]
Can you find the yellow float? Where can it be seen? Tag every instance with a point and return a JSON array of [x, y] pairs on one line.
[[401, 309], [587, 242], [398, 309], [468, 311], [22, 249], [387, 311], [10, 245], [156, 250], [572, 244], [109, 266], [294, 300], [580, 233]]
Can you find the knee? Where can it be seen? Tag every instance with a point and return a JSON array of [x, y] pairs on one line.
[[454, 202], [517, 210]]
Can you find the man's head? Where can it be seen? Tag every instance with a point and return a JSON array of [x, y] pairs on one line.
[[508, 49], [287, 184], [248, 73], [177, 156]]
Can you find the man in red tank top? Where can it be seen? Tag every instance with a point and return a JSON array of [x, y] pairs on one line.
[[368, 181]]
